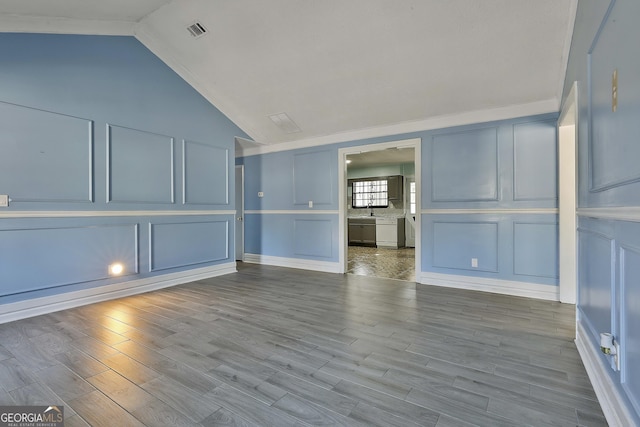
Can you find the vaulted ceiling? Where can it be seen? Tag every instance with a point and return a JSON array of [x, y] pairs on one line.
[[340, 69]]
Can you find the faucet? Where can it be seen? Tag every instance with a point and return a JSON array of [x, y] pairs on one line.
[[371, 209]]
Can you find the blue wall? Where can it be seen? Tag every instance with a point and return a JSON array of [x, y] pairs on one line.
[[609, 178], [107, 155], [499, 171], [289, 180]]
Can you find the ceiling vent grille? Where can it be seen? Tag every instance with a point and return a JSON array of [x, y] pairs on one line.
[[197, 30], [285, 123]]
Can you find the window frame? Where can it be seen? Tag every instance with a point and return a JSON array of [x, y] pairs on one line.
[[378, 193]]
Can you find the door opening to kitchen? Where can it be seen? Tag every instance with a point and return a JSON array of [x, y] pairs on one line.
[[380, 212]]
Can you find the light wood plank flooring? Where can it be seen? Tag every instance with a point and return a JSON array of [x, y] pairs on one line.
[[277, 347]]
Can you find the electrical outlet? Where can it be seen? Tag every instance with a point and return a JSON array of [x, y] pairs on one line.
[[260, 194], [474, 262], [310, 203], [4, 201]]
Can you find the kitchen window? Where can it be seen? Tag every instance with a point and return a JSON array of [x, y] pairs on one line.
[[370, 194]]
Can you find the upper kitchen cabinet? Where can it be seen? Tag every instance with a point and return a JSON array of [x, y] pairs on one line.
[[395, 185]]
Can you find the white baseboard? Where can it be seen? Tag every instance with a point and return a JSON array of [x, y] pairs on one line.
[[496, 286], [612, 403], [304, 264], [37, 306]]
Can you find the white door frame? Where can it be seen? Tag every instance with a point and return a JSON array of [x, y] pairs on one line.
[[239, 217], [414, 143], [567, 197]]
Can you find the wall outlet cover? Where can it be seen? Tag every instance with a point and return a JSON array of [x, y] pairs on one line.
[[4, 200]]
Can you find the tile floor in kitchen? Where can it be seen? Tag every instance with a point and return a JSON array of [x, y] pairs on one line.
[[382, 262]]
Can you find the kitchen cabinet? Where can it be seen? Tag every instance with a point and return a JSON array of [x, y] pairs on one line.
[[362, 231], [394, 187], [390, 232]]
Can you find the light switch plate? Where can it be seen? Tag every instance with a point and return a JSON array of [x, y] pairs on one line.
[[310, 203], [4, 201]]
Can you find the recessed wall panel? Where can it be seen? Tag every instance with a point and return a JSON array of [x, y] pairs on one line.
[[46, 157], [614, 136], [455, 244], [630, 300], [312, 177], [595, 252], [464, 166], [535, 161], [206, 174], [313, 238], [41, 258], [182, 244], [139, 166], [535, 249]]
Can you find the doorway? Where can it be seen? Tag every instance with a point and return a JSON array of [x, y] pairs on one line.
[[372, 195]]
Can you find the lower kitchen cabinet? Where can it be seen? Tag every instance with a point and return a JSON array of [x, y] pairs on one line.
[[362, 231]]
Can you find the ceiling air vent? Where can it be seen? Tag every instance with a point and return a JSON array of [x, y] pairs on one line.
[[285, 123], [197, 30]]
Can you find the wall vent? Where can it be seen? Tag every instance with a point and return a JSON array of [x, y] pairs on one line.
[[197, 30], [285, 123]]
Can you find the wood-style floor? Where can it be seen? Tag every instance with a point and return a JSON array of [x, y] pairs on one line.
[[272, 346]]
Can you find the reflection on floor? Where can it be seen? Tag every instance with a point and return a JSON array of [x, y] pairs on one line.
[[379, 262]]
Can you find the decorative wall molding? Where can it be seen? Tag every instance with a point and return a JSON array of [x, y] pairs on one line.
[[292, 212], [37, 178], [318, 231], [128, 146], [523, 211], [172, 244], [617, 214], [497, 286], [83, 214], [528, 147], [308, 169], [37, 306], [209, 166], [615, 411], [464, 166], [304, 264]]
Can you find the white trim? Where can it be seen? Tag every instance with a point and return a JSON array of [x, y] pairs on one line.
[[38, 306], [56, 25], [612, 403], [619, 214], [568, 197], [540, 211], [290, 212], [304, 264], [439, 122], [75, 214], [496, 286]]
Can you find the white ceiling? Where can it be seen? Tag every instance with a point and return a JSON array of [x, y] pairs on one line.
[[340, 69]]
